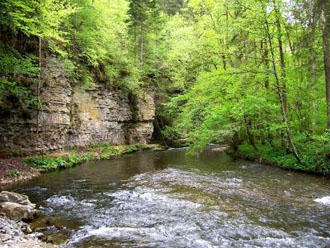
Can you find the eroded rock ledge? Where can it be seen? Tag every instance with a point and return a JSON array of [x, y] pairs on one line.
[[75, 117]]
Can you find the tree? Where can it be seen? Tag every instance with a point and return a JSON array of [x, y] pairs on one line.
[[325, 21], [256, 83]]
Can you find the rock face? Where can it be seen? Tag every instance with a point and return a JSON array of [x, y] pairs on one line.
[[16, 206], [72, 116]]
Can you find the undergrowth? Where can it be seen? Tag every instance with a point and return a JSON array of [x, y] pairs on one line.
[[94, 152], [13, 173], [312, 160]]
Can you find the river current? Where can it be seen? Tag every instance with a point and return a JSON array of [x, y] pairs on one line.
[[170, 199]]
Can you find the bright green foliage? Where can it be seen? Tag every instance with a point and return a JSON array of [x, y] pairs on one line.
[[98, 30], [19, 96], [18, 72], [95, 152], [312, 152], [243, 72], [50, 163], [42, 18], [20, 21], [146, 38], [233, 94], [14, 63]]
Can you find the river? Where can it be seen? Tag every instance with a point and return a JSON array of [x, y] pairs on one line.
[[170, 199]]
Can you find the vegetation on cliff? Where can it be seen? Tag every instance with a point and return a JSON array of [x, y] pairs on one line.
[[105, 41], [255, 74]]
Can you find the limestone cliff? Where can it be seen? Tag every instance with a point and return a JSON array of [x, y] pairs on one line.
[[71, 116]]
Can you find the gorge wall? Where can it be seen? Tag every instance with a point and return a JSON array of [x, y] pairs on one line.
[[75, 117]]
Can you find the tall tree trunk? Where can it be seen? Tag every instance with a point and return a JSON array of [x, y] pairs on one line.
[[248, 125], [313, 71], [281, 53], [325, 20], [142, 46], [135, 46], [289, 39], [279, 89], [265, 60], [282, 65], [227, 36], [39, 82], [224, 62]]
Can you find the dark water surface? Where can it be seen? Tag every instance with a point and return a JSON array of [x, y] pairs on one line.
[[168, 199]]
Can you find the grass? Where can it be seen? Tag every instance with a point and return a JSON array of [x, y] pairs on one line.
[[312, 160], [103, 151], [13, 173]]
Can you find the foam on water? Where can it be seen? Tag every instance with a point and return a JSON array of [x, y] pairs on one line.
[[61, 201], [324, 200], [152, 211]]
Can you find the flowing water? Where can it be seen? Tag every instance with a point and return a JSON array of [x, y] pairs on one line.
[[168, 199]]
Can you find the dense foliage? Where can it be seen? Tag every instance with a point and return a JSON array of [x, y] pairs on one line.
[[253, 74], [259, 81]]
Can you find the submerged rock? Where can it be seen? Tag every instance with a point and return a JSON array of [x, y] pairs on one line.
[[16, 206]]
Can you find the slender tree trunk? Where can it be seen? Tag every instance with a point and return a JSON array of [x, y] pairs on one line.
[[39, 82], [289, 39], [141, 46], [325, 20], [255, 52], [227, 36], [281, 53], [313, 72], [280, 91], [265, 53], [248, 125], [282, 65], [224, 62], [135, 46], [220, 44], [265, 61]]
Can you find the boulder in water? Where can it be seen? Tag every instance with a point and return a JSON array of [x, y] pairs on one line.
[[16, 206]]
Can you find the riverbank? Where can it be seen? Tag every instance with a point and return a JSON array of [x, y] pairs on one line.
[[16, 170], [269, 156]]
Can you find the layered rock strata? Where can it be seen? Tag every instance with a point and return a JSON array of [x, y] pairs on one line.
[[72, 116]]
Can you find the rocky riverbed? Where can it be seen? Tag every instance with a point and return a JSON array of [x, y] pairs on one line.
[[15, 211]]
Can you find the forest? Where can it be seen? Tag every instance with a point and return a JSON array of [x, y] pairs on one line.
[[253, 74], [165, 123]]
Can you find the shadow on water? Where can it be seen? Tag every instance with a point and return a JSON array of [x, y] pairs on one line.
[[169, 199]]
